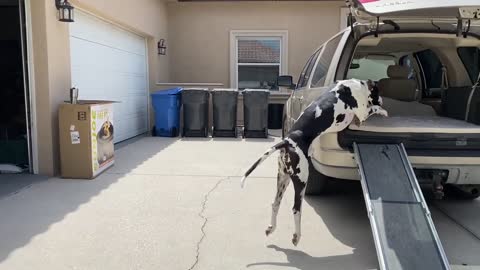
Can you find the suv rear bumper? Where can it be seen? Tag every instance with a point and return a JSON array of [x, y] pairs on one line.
[[338, 163]]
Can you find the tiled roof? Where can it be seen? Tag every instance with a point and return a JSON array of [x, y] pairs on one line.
[[259, 51]]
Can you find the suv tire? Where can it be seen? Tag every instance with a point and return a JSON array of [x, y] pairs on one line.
[[456, 192], [317, 183]]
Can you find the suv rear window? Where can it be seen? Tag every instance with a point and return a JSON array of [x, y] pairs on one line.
[[471, 59], [370, 68]]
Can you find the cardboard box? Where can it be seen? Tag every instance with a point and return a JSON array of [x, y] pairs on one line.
[[86, 138]]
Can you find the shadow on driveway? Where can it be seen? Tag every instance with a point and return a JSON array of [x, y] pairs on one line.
[[343, 212], [11, 184], [34, 210]]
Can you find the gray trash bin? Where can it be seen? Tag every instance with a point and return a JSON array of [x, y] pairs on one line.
[[255, 113], [195, 112], [224, 112]]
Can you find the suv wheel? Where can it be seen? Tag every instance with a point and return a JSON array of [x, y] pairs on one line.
[[317, 183], [463, 192]]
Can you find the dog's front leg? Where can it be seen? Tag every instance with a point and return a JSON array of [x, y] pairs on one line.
[[299, 186], [375, 109], [282, 183]]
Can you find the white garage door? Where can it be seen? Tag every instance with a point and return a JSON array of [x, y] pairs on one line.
[[109, 63]]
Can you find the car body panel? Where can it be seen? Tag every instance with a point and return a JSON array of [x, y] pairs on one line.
[[414, 8], [413, 16], [328, 157]]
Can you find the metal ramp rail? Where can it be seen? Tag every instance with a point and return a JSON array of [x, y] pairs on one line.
[[403, 231]]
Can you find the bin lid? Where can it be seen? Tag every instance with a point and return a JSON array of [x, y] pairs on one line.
[[256, 90], [171, 91], [225, 89], [195, 89]]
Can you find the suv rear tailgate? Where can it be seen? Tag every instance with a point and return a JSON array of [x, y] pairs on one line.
[[426, 136], [432, 8]]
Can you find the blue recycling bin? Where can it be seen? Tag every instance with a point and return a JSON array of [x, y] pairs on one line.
[[166, 104]]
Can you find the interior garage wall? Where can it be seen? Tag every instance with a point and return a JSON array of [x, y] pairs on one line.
[[201, 33], [51, 53]]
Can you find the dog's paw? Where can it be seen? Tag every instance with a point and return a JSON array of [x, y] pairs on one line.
[[295, 239], [269, 230]]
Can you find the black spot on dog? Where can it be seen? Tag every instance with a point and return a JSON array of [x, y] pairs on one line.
[[345, 95], [370, 112], [298, 187], [340, 118], [374, 97], [292, 163], [363, 83]]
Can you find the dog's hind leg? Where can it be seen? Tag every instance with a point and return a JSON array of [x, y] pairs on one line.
[[283, 180], [299, 186]]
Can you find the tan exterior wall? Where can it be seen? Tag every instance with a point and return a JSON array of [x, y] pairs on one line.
[[197, 40], [200, 33], [51, 54]]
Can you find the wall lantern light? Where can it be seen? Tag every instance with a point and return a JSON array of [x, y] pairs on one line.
[[162, 48], [65, 10]]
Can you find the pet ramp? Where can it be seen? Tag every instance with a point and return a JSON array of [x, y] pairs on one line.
[[403, 231]]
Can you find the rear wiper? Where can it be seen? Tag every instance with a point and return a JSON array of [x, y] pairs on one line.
[[436, 26], [460, 30], [392, 23]]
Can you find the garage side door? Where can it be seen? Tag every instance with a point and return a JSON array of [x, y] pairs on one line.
[[109, 63]]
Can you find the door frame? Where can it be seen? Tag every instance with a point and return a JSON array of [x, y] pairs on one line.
[[26, 36]]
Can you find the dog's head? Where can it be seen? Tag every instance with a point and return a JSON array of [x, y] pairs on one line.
[[374, 97], [359, 95]]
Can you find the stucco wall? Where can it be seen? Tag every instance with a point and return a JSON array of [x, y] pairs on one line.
[[200, 33], [51, 53]]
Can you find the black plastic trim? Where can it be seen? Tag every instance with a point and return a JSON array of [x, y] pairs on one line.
[[421, 144]]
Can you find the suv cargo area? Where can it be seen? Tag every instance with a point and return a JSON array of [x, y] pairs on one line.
[[427, 98]]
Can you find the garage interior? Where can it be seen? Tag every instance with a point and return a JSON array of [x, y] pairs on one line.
[[14, 137]]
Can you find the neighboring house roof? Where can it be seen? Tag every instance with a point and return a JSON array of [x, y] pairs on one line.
[[258, 51]]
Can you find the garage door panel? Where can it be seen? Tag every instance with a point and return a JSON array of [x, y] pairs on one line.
[[132, 105], [108, 62], [133, 130], [103, 59], [96, 30]]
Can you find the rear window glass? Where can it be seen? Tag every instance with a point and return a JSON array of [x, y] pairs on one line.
[[471, 59], [369, 69], [324, 62], [303, 79], [431, 67]]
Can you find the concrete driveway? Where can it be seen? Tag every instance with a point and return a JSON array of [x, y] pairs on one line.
[[176, 204]]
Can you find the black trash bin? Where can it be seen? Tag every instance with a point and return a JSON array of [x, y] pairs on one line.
[[255, 113], [224, 112], [275, 115], [195, 112]]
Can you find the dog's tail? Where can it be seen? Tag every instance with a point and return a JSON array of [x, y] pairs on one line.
[[270, 151]]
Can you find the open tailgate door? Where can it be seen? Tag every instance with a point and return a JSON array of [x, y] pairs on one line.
[[370, 10]]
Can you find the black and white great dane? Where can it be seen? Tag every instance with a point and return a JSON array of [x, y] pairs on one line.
[[331, 112]]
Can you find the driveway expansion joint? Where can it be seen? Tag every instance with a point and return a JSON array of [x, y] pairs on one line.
[[205, 220]]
